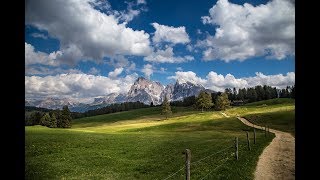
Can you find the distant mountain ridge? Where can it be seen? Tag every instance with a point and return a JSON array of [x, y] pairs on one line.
[[143, 90]]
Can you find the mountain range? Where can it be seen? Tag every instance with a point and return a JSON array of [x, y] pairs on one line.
[[143, 90]]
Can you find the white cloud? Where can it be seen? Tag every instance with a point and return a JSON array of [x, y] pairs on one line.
[[188, 76], [96, 36], [278, 80], [218, 82], [179, 69], [171, 34], [147, 70], [245, 31], [94, 71], [76, 85], [115, 73], [33, 57], [189, 48], [38, 35], [167, 56]]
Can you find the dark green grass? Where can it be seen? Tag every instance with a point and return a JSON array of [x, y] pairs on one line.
[[281, 120], [281, 101]]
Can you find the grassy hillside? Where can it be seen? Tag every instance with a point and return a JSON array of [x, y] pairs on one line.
[[281, 120], [276, 113], [281, 101], [141, 144]]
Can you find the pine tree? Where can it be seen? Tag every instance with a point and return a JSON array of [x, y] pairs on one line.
[[53, 121], [166, 109], [204, 100], [65, 117], [45, 120], [222, 102]]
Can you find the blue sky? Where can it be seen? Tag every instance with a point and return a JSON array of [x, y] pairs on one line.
[[252, 41]]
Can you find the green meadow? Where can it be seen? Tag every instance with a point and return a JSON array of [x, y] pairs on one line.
[[142, 144]]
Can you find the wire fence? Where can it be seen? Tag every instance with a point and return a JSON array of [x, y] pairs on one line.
[[200, 160], [241, 144]]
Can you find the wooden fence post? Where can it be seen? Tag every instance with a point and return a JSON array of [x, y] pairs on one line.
[[248, 141], [188, 159], [236, 148], [254, 136]]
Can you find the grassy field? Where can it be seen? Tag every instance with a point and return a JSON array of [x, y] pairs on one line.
[[276, 113], [141, 144]]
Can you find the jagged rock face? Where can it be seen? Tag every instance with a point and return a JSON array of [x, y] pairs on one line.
[[185, 89], [109, 99], [52, 103], [167, 92], [145, 91]]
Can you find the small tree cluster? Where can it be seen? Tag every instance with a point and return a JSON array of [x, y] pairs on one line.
[[55, 118]]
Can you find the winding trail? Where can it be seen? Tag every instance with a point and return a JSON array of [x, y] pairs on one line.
[[277, 160]]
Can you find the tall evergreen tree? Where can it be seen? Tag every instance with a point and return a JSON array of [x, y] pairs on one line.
[[53, 120], [260, 93], [166, 109], [234, 94], [240, 94], [293, 91], [228, 91], [65, 117], [204, 100], [222, 102], [45, 120]]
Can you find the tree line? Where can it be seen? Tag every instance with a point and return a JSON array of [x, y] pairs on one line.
[[221, 101], [50, 118], [244, 95], [112, 108], [259, 93]]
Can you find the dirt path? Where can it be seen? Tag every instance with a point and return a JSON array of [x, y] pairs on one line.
[[277, 160]]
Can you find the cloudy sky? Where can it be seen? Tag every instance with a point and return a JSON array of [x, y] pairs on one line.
[[82, 49]]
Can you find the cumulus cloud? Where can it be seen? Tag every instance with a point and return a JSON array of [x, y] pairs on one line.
[[96, 36], [245, 31], [76, 85], [167, 56], [37, 57], [147, 70], [278, 80], [170, 34], [218, 82], [188, 76], [115, 73]]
